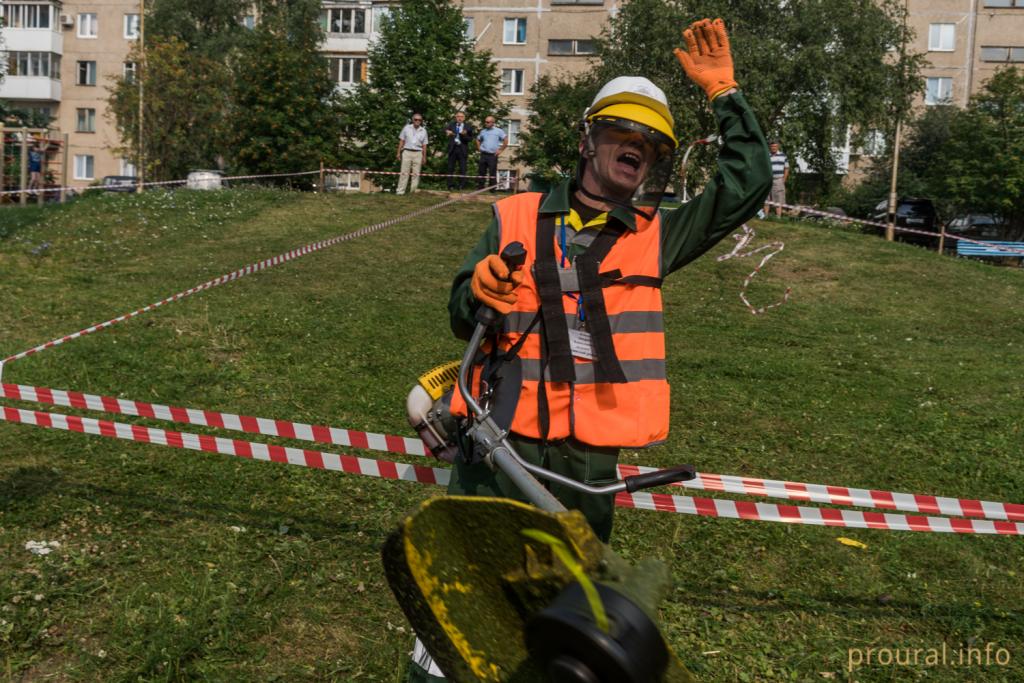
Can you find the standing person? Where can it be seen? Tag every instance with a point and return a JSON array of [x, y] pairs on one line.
[[780, 174], [589, 376], [412, 152], [35, 165], [460, 134], [491, 142]]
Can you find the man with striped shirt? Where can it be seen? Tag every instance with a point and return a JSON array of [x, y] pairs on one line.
[[780, 174]]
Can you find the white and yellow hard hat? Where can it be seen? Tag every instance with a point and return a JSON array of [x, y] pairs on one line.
[[636, 99]]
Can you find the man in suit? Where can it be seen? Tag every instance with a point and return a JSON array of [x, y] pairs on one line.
[[460, 134]]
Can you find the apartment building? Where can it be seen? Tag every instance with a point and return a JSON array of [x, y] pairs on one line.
[[528, 40], [965, 42], [61, 59], [63, 56]]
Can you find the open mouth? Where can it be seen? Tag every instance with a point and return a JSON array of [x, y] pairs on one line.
[[630, 159]]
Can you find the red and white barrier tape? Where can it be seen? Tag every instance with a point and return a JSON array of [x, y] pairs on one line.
[[422, 175], [151, 183], [898, 228], [242, 272], [208, 418], [843, 495], [434, 475], [818, 493], [742, 240]]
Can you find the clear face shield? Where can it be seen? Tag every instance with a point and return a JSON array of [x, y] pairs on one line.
[[626, 164]]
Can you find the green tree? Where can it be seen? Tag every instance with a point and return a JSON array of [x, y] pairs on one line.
[[422, 62], [981, 166], [211, 28], [811, 69], [184, 114], [284, 115], [550, 145]]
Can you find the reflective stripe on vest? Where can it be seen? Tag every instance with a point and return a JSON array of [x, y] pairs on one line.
[[631, 414]]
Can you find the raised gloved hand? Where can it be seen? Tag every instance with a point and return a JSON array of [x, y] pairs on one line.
[[707, 58], [494, 285]]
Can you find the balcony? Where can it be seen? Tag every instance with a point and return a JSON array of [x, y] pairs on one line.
[[38, 88], [33, 40]]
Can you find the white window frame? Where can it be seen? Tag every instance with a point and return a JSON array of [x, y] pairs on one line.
[[86, 116], [249, 21], [131, 68], [85, 168], [89, 70], [511, 37], [939, 95], [367, 20], [513, 127], [131, 21], [27, 15], [88, 25], [941, 37], [506, 178], [511, 86], [469, 28], [355, 68], [128, 168]]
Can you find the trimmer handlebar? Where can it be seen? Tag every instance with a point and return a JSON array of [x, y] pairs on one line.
[[500, 454]]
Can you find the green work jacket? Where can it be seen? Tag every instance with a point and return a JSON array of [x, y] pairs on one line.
[[733, 196]]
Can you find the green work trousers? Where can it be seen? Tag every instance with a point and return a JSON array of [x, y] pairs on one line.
[[588, 464]]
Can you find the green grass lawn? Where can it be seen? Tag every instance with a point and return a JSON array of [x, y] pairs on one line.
[[891, 368]]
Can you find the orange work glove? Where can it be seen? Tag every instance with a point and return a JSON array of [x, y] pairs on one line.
[[493, 285], [707, 58]]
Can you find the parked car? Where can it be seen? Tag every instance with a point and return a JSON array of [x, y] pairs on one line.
[[978, 226], [205, 180], [911, 212], [119, 183]]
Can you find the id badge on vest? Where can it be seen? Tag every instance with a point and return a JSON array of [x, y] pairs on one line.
[[581, 345]]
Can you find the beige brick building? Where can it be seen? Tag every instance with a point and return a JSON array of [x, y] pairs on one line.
[[965, 42], [533, 38], [62, 56]]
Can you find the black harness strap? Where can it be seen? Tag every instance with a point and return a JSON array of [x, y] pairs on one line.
[[614, 277], [549, 289], [591, 284]]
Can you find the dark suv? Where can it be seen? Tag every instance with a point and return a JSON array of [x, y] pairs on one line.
[[915, 213]]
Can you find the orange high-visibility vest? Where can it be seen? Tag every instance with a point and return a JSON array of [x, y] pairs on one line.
[[631, 412]]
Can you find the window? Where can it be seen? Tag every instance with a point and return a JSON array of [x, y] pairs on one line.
[[129, 72], [33, 64], [378, 16], [338, 20], [515, 32], [577, 2], [1002, 54], [1004, 3], [131, 26], [512, 128], [83, 167], [20, 15], [470, 28], [249, 21], [560, 47], [128, 168], [86, 121], [567, 47], [348, 69], [507, 178], [511, 81], [88, 27], [874, 144], [939, 91], [86, 73], [941, 37]]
